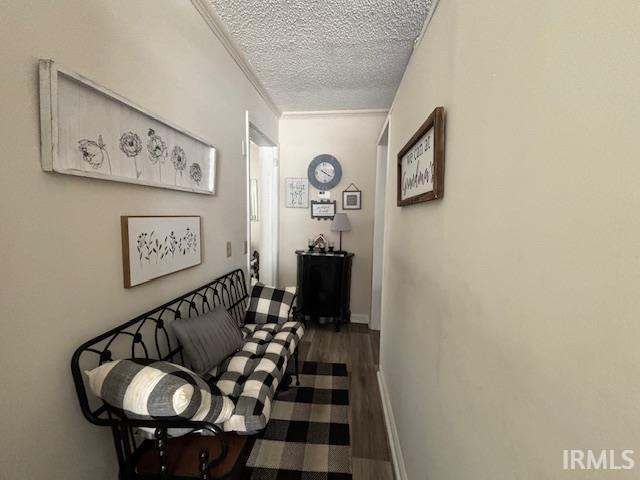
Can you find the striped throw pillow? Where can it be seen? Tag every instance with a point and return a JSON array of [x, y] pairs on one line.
[[145, 389]]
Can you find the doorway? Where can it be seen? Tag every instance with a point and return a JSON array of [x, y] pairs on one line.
[[378, 226], [262, 206]]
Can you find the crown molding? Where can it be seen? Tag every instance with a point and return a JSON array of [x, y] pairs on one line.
[[211, 18], [334, 113]]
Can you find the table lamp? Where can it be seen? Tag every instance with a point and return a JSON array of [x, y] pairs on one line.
[[341, 224]]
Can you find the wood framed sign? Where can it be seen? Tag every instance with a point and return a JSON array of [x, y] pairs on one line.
[[153, 247], [421, 163]]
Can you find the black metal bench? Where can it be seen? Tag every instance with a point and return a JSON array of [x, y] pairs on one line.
[[147, 336]]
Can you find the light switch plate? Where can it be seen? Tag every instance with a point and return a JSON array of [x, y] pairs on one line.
[[228, 249]]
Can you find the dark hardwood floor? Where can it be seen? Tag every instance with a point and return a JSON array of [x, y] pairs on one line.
[[358, 347]]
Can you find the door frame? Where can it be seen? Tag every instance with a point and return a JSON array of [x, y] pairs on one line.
[[255, 135], [382, 169]]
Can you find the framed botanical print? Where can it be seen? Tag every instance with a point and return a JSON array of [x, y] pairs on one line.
[[153, 247], [421, 162], [296, 192]]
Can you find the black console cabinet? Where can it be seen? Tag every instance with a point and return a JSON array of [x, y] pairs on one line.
[[324, 286]]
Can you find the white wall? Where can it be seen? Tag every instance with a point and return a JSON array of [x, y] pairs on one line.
[[351, 138], [510, 313], [61, 281]]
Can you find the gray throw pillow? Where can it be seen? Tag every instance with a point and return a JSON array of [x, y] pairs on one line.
[[208, 339]]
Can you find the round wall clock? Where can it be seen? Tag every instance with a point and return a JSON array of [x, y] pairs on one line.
[[324, 172]]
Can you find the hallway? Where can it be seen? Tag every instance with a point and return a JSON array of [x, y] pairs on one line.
[[357, 347]]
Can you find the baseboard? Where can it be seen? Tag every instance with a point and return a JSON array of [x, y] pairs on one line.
[[392, 432], [359, 318]]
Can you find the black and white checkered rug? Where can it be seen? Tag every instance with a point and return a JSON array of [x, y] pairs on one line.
[[307, 437]]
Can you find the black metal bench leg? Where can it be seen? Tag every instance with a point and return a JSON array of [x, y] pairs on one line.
[[297, 367]]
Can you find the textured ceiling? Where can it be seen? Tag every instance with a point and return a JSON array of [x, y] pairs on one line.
[[326, 54]]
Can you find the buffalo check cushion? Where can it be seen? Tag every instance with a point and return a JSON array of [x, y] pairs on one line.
[[269, 304], [251, 376], [146, 389]]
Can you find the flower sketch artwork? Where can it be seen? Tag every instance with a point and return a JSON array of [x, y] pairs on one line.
[[157, 246], [296, 192], [179, 160], [131, 145], [94, 153], [99, 134]]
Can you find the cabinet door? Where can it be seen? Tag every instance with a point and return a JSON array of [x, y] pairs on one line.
[[321, 285]]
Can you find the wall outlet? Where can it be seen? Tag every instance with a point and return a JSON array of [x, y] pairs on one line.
[[228, 249]]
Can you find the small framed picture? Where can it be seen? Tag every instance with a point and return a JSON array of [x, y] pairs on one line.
[[323, 209], [352, 198], [296, 192]]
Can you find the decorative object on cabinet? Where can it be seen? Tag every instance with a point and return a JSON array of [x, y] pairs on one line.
[[324, 172], [90, 131], [352, 198], [296, 192], [253, 214], [324, 287], [340, 224], [320, 243], [421, 162], [153, 247], [323, 209]]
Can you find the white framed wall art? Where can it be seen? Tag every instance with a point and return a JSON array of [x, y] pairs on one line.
[[296, 192], [153, 247], [90, 131]]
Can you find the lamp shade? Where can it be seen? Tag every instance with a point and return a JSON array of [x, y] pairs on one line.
[[341, 223]]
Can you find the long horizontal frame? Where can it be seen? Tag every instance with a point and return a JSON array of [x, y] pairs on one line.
[[48, 78]]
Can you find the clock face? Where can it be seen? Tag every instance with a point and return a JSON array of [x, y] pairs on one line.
[[324, 172]]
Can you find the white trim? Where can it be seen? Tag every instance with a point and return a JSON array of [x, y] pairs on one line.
[[360, 318], [392, 433], [269, 179], [247, 159], [382, 164], [330, 113], [215, 24]]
